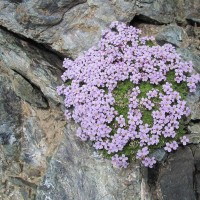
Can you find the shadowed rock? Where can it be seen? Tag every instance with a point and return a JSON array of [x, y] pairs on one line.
[[175, 181], [39, 67]]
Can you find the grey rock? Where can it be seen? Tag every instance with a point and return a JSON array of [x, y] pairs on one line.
[[190, 30], [194, 18], [75, 172], [197, 184], [172, 34], [28, 92], [197, 157], [6, 138], [25, 133], [21, 182], [36, 13], [69, 27], [158, 12], [26, 137], [164, 11], [190, 55], [175, 181], [194, 138], [10, 129], [146, 1], [193, 102], [194, 128], [160, 155], [39, 67], [10, 114], [24, 89]]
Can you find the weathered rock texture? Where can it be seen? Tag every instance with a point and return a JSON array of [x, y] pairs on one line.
[[175, 181], [67, 27], [40, 157], [28, 134], [76, 172]]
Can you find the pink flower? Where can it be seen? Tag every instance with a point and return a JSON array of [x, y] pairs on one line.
[[184, 140], [140, 118]]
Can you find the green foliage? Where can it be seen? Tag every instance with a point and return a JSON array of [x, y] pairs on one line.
[[121, 94]]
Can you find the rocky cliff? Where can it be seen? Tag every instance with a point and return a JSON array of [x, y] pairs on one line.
[[40, 156]]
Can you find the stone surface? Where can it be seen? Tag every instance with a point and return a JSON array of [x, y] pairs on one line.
[[27, 91], [40, 68], [69, 27], [194, 129], [194, 138], [24, 89], [29, 130], [39, 158], [28, 137], [193, 102], [197, 180], [164, 11], [160, 155], [190, 55], [194, 18], [190, 30], [197, 157], [175, 181], [172, 34], [76, 172]]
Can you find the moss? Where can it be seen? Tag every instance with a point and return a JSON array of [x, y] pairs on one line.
[[181, 131], [146, 117], [121, 95], [182, 87], [150, 43], [105, 154], [68, 82], [144, 88], [130, 150]]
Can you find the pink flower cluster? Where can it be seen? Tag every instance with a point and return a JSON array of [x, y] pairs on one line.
[[120, 161], [121, 55]]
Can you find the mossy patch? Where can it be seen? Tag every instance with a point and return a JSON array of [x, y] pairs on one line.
[[122, 93], [181, 87]]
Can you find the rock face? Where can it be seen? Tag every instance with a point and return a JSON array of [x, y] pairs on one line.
[[190, 55], [86, 175], [165, 11], [172, 34], [27, 125], [175, 181], [69, 28], [40, 69], [194, 18], [41, 157]]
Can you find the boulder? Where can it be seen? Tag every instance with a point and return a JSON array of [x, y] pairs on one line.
[[175, 180], [77, 172], [172, 34], [164, 11], [36, 72], [69, 27]]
